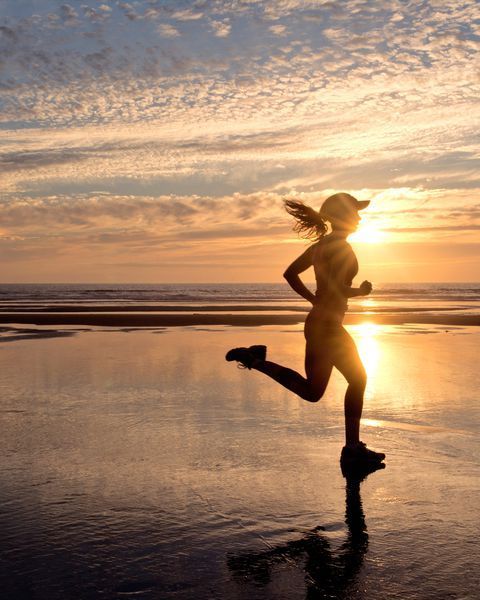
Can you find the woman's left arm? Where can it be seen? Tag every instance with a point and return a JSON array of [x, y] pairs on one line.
[[302, 263]]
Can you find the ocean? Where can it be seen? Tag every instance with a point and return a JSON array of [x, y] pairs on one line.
[[386, 297]]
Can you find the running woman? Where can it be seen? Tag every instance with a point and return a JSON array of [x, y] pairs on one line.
[[328, 344]]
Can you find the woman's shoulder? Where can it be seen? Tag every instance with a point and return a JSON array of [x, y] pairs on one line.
[[318, 248], [329, 248]]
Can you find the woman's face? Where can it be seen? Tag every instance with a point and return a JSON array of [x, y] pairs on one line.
[[348, 222]]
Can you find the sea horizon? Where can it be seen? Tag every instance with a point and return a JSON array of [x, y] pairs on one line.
[[280, 281]]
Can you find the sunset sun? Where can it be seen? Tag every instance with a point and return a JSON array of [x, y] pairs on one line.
[[368, 234]]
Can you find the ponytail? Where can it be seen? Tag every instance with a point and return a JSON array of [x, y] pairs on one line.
[[308, 223]]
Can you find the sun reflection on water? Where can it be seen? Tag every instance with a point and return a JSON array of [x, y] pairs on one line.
[[368, 305], [366, 337]]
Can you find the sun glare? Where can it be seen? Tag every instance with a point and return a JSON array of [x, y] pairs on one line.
[[368, 234]]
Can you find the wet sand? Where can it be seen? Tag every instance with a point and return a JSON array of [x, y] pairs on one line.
[[150, 319], [143, 465]]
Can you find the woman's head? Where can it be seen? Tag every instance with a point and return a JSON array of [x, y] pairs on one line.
[[341, 210]]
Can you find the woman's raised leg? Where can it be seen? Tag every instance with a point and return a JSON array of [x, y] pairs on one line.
[[318, 368]]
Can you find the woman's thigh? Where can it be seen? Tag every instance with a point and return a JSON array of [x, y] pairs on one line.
[[318, 359], [328, 346], [346, 359]]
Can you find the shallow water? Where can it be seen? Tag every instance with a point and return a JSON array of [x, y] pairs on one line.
[[142, 465]]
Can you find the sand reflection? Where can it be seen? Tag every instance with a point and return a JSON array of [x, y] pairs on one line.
[[329, 573]]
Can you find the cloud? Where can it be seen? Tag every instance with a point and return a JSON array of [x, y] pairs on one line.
[[221, 29], [68, 14], [448, 228], [97, 15], [278, 29], [168, 31], [171, 217], [31, 215], [129, 11], [209, 163], [75, 86], [187, 15]]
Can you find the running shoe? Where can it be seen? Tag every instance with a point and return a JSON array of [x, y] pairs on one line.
[[360, 453], [246, 356]]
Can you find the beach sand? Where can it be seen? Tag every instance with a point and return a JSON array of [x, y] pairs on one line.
[[108, 317], [138, 463]]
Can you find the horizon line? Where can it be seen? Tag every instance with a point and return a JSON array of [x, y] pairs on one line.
[[215, 282]]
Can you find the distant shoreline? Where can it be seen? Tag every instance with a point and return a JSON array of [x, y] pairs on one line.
[[136, 319], [210, 308]]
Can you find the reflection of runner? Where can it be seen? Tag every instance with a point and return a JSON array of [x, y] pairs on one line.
[[329, 574], [328, 344]]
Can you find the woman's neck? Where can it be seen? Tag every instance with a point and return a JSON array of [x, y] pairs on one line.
[[340, 233]]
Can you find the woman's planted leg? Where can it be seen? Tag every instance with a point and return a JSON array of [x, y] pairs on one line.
[[353, 411], [348, 362]]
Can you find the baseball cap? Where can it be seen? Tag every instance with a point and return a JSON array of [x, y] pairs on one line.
[[341, 204]]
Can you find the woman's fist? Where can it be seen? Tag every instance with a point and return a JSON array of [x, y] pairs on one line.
[[365, 288]]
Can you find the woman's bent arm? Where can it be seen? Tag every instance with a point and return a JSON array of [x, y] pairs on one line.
[[302, 263], [296, 284], [364, 289]]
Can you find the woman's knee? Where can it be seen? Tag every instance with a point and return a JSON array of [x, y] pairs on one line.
[[315, 392], [358, 380], [318, 368]]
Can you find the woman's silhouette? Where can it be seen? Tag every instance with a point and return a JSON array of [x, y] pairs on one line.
[[328, 344]]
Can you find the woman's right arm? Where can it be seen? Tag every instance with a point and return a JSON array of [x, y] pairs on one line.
[[339, 274], [302, 263]]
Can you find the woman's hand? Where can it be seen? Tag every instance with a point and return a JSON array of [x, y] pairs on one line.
[[365, 288]]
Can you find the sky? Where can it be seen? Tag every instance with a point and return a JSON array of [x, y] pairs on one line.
[[155, 141]]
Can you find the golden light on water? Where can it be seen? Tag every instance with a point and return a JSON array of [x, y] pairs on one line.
[[366, 337], [403, 426], [368, 305]]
